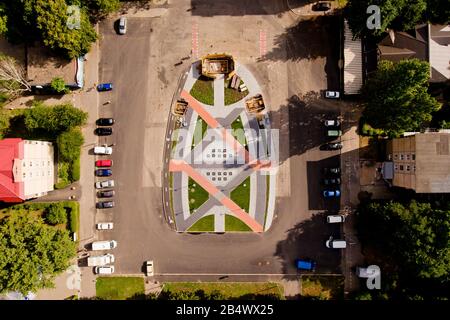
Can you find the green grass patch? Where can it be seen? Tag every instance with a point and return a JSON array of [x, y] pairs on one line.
[[241, 195], [234, 224], [322, 287], [197, 195], [228, 290], [232, 95], [267, 197], [205, 224], [119, 288], [199, 132], [203, 90], [238, 131]]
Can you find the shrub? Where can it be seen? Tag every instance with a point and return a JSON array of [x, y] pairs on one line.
[[59, 85], [74, 215], [69, 144], [63, 175], [75, 170], [56, 214]]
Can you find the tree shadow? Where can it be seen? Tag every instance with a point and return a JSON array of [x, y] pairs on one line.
[[307, 240], [205, 8]]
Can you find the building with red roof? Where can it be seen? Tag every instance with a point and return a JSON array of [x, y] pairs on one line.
[[26, 169]]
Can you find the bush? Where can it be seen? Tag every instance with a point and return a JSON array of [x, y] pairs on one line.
[[63, 175], [69, 145], [74, 215], [75, 170], [59, 85], [56, 214]]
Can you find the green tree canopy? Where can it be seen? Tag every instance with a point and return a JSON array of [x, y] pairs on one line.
[[438, 11], [69, 144], [59, 85], [102, 7], [57, 119], [397, 97], [56, 214], [3, 19], [31, 253]]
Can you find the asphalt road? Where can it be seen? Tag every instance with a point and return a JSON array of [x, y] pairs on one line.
[[142, 66]]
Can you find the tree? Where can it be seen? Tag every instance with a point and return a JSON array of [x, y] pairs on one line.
[[438, 11], [3, 19], [102, 7], [59, 85], [57, 119], [51, 19], [31, 253], [395, 14], [69, 144], [397, 97], [56, 214], [12, 77]]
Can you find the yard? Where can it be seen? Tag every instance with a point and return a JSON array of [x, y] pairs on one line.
[[119, 288], [234, 224], [241, 195], [232, 95], [203, 90], [197, 195], [205, 224], [322, 287], [228, 290]]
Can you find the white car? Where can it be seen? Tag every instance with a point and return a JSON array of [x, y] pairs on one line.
[[104, 270], [104, 245], [122, 25], [104, 184], [332, 94], [332, 123], [103, 150], [105, 226], [149, 268]]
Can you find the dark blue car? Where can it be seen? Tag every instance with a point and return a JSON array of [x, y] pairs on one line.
[[104, 87], [305, 264], [103, 172]]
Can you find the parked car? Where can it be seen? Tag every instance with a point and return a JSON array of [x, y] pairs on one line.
[[106, 194], [103, 172], [321, 6], [105, 87], [332, 146], [149, 268], [105, 226], [331, 193], [104, 204], [305, 264], [332, 170], [104, 245], [334, 133], [104, 270], [122, 25], [105, 122], [335, 243], [335, 218], [332, 94], [102, 260], [104, 163], [103, 150], [331, 181], [332, 123], [104, 184], [366, 272], [103, 131]]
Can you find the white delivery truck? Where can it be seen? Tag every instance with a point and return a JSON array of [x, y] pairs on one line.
[[104, 245], [100, 260]]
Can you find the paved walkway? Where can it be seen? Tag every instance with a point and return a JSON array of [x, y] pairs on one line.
[[198, 164]]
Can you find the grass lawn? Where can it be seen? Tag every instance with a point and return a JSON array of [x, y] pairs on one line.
[[119, 288], [234, 224], [238, 131], [323, 287], [205, 224], [199, 132], [241, 195], [232, 95], [203, 90], [267, 197], [230, 290], [197, 195]]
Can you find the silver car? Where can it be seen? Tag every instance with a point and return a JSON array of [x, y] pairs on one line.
[[122, 25], [104, 184]]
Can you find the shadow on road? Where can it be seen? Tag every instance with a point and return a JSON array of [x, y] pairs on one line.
[[237, 7]]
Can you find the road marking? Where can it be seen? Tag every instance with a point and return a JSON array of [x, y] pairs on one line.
[[262, 43], [195, 40]]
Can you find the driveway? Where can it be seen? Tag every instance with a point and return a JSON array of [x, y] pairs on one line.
[[145, 65]]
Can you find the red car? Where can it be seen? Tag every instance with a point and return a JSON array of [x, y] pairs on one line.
[[103, 163]]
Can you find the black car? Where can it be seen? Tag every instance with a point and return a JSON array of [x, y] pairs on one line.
[[103, 131], [331, 181], [334, 170], [105, 122], [331, 146], [104, 204], [322, 6], [105, 194]]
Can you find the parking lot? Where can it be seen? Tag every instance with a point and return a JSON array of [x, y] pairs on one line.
[[142, 65]]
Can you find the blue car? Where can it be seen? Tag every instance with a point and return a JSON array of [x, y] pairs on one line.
[[331, 193], [104, 87], [305, 264], [103, 172]]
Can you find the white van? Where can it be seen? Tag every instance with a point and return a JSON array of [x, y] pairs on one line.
[[336, 218], [336, 243], [102, 150], [104, 270], [104, 245], [100, 260]]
